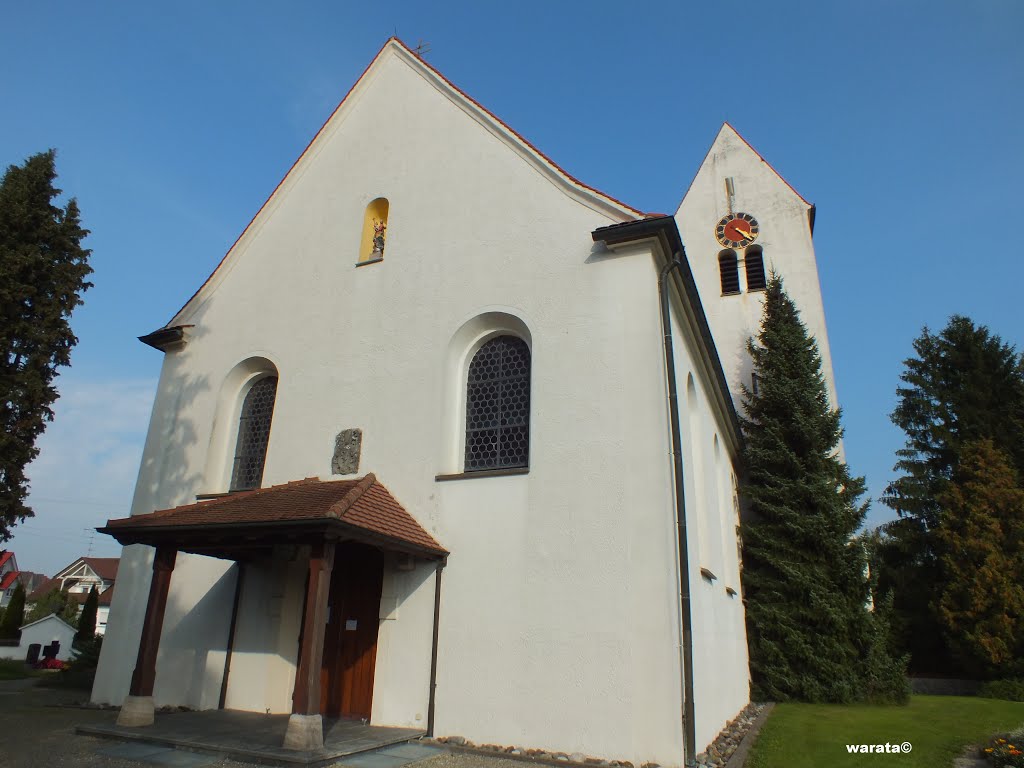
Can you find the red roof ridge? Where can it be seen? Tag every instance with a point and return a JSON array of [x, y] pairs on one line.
[[396, 40], [338, 509]]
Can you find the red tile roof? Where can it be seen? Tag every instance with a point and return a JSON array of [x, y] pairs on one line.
[[363, 504], [5, 555], [8, 579], [105, 567], [43, 589]]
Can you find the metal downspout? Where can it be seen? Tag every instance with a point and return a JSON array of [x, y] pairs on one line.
[[685, 620], [433, 646]]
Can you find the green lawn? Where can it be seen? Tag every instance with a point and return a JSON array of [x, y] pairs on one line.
[[15, 669], [937, 727]]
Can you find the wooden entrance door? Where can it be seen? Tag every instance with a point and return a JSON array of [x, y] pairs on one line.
[[350, 638]]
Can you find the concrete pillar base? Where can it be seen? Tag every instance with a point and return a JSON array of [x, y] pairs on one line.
[[304, 732], [136, 711]]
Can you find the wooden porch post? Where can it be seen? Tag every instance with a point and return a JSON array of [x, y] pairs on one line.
[[305, 726], [138, 705]]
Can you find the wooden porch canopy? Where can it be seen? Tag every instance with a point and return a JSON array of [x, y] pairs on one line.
[[249, 524]]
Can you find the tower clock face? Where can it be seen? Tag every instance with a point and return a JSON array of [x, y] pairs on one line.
[[737, 230]]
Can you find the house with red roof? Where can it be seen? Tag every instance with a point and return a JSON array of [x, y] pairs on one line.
[[8, 576], [11, 576], [448, 441], [77, 579]]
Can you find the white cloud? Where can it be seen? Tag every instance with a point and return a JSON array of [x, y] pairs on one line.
[[85, 472]]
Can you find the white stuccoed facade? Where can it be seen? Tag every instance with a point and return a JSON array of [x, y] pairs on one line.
[[559, 619]]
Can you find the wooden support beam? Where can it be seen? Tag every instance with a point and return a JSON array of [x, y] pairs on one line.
[[306, 697], [145, 665]]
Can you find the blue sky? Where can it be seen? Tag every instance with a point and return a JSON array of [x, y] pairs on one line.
[[900, 120]]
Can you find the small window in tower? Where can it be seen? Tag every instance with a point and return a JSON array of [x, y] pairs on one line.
[[375, 232], [754, 262], [729, 272]]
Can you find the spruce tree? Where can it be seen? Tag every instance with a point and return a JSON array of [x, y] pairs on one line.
[[964, 384], [87, 621], [43, 267], [981, 557], [804, 573], [14, 616]]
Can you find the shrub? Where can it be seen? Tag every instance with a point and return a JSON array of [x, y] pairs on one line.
[[81, 670], [50, 664], [1009, 690], [1004, 754]]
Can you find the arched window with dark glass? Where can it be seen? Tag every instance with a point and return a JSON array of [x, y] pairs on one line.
[[729, 271], [498, 406], [253, 434], [754, 262]]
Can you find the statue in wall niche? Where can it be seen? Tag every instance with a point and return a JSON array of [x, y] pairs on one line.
[[347, 446], [379, 228]]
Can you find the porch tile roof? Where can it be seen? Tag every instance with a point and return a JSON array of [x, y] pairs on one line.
[[362, 503]]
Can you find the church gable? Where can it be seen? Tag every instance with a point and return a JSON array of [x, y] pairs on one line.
[[403, 127]]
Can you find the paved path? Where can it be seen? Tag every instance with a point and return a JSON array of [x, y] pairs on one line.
[[36, 732]]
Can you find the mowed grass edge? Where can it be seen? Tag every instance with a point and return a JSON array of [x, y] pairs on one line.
[[937, 727]]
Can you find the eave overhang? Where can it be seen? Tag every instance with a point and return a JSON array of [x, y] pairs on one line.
[[244, 541], [166, 338]]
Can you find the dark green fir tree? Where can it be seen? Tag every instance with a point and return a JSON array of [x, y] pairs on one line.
[[14, 616], [810, 631], [963, 384], [87, 621], [43, 267]]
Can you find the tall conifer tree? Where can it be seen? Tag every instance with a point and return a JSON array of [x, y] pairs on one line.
[[43, 267], [14, 616], [87, 620], [964, 384], [804, 574], [980, 601]]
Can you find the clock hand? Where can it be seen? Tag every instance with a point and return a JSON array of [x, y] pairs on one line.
[[746, 234]]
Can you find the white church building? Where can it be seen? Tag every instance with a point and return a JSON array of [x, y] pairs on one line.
[[424, 450]]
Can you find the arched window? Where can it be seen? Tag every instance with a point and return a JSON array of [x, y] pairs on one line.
[[253, 433], [375, 231], [729, 272], [754, 261], [498, 406]]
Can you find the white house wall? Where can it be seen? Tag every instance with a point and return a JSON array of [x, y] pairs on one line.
[[559, 617], [721, 676], [42, 632], [262, 674]]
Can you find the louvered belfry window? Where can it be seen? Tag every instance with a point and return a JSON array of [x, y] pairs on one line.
[[754, 260], [253, 433], [729, 272], [498, 406]]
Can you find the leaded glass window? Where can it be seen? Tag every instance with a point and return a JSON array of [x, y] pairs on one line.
[[498, 406], [253, 433]]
